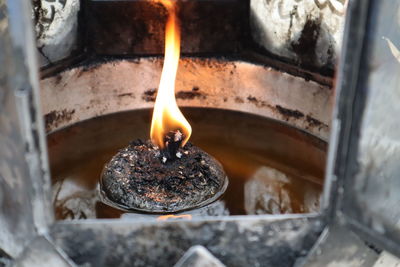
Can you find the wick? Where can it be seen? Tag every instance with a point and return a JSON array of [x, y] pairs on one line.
[[172, 141]]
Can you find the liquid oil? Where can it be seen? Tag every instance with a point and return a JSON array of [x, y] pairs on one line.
[[272, 167]]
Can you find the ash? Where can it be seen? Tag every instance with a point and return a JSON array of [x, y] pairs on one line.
[[143, 177]]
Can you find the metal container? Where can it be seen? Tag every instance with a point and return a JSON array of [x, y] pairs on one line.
[[289, 83]]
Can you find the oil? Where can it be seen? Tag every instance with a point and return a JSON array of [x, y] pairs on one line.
[[257, 154]]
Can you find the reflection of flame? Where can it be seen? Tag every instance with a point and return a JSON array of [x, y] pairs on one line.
[[167, 217], [166, 115]]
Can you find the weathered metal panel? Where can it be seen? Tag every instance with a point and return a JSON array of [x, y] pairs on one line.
[[57, 32], [308, 33], [339, 246], [372, 196], [137, 27], [16, 222], [103, 88], [363, 170], [376, 185], [42, 253], [198, 256], [24, 181], [235, 241]]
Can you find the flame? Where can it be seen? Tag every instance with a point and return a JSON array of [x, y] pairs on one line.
[[167, 217], [166, 115]]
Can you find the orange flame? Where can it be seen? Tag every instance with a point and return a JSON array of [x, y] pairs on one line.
[[166, 115], [167, 217]]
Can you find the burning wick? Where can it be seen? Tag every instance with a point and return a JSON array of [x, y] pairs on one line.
[[167, 116], [167, 174], [172, 141]]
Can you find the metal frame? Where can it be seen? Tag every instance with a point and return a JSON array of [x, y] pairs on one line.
[[269, 238], [24, 172], [340, 197], [288, 237], [343, 120]]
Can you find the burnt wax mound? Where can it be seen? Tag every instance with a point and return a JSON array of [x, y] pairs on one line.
[[142, 177]]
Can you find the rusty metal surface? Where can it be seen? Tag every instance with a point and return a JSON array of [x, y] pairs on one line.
[[235, 241], [92, 90], [24, 180]]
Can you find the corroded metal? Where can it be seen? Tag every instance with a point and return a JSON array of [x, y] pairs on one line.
[[103, 88]]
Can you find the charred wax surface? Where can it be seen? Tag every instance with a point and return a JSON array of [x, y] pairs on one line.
[[140, 177], [244, 144]]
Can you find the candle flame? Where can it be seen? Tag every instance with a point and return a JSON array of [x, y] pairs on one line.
[[167, 115]]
